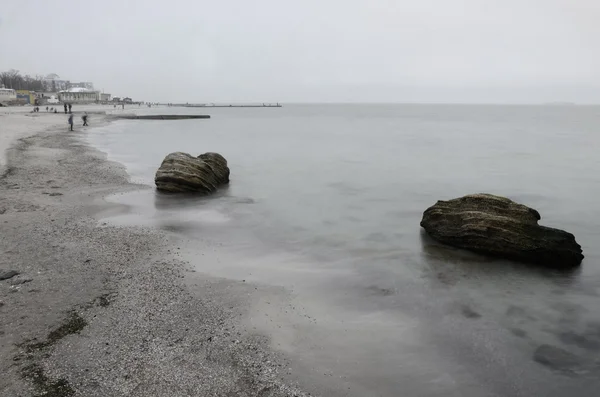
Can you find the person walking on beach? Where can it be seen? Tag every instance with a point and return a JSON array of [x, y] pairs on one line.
[[70, 107], [84, 118], [71, 121], [65, 108]]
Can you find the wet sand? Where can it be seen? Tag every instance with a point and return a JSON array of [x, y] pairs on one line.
[[101, 310]]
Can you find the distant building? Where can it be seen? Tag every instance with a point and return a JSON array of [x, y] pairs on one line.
[[104, 97], [85, 84], [55, 84], [127, 100], [79, 95], [7, 95], [25, 97], [116, 99]]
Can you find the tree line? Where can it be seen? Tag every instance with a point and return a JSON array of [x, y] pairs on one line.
[[13, 79]]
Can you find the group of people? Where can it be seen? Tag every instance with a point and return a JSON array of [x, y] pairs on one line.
[[84, 118], [68, 106]]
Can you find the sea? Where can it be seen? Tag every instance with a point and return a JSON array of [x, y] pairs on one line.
[[323, 212]]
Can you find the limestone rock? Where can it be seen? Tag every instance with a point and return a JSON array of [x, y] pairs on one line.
[[500, 227], [181, 172], [218, 164], [6, 274]]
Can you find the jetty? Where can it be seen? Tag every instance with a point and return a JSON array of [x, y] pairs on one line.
[[238, 105], [163, 117]]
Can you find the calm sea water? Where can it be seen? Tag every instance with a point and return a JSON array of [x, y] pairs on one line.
[[325, 203]]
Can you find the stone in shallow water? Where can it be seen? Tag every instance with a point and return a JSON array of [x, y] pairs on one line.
[[218, 164], [182, 172], [500, 227]]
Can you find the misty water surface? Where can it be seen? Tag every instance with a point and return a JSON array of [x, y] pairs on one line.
[[325, 201]]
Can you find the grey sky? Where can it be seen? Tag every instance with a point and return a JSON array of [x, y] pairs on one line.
[[312, 50]]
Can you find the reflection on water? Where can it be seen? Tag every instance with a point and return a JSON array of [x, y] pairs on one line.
[[325, 201]]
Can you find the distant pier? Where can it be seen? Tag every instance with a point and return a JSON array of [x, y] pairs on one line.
[[239, 105], [164, 117]]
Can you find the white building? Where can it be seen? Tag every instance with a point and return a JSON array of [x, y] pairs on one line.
[[104, 97], [79, 95], [7, 95], [53, 83], [84, 84]]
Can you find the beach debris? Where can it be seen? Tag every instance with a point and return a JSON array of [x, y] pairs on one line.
[[497, 226], [20, 280], [468, 312], [181, 172], [6, 274]]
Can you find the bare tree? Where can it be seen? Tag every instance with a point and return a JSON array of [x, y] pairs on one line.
[[13, 79]]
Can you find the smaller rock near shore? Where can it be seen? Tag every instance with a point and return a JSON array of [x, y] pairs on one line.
[[500, 227], [182, 172], [20, 280]]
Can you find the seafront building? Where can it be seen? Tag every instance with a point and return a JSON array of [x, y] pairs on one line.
[[53, 83], [73, 95], [85, 84], [25, 97], [7, 95], [55, 91], [78, 95], [82, 95]]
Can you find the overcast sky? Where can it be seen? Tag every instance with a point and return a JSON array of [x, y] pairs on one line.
[[312, 50]]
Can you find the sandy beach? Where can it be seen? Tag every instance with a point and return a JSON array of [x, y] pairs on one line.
[[99, 310], [19, 122]]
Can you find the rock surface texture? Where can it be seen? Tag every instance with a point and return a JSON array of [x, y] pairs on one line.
[[500, 227], [181, 172]]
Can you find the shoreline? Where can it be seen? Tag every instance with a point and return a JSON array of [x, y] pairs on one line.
[[100, 310]]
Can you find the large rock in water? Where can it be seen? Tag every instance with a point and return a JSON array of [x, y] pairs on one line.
[[500, 227], [181, 172]]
